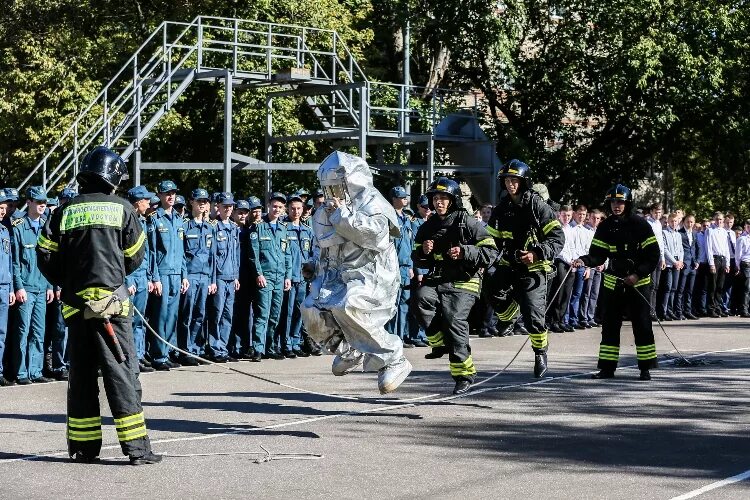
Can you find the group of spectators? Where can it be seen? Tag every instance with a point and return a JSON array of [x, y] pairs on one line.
[[222, 278]]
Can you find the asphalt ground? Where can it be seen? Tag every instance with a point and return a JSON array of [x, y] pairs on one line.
[[566, 436]]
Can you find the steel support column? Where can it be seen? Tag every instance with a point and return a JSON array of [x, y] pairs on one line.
[[227, 181]]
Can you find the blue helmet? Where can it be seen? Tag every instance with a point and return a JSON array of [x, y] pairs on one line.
[[516, 168], [444, 185]]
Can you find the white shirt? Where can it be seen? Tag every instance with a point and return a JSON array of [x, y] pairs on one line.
[[742, 251], [717, 243], [657, 228], [673, 251], [568, 250], [731, 242]]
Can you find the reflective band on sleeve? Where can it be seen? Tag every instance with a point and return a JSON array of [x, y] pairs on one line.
[[644, 281], [551, 225], [47, 244], [438, 256], [130, 251], [493, 232], [487, 242], [648, 241], [599, 243], [416, 246]]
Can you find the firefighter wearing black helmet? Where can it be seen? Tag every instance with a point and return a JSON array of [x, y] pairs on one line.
[[455, 248], [630, 245], [528, 236], [87, 248]]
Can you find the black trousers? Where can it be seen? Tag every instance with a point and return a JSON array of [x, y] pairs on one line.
[[626, 299], [88, 352], [444, 315], [560, 302], [715, 285], [528, 295]]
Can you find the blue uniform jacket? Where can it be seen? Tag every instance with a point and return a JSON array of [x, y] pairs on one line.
[[300, 240], [269, 252], [165, 244], [26, 273], [404, 245], [200, 251], [141, 276], [6, 258], [227, 250]]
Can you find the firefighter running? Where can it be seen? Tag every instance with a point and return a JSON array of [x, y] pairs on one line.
[[528, 236], [87, 248], [455, 248], [630, 245]]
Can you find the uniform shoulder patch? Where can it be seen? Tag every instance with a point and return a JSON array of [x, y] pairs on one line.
[[153, 215], [17, 222], [253, 235]]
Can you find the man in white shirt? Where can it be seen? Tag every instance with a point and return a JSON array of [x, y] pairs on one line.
[[587, 314], [742, 261], [654, 220], [581, 245], [727, 304], [717, 253], [563, 280]]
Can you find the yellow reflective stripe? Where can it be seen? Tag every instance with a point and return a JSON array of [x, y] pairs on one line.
[[599, 243], [539, 340], [493, 232], [644, 281], [487, 242], [84, 422], [94, 293], [131, 434], [648, 241], [129, 420], [543, 265], [84, 435], [609, 352], [646, 351], [551, 225], [68, 311], [504, 262], [92, 214], [463, 368], [416, 246], [435, 340], [509, 313], [132, 250], [438, 256], [508, 235], [472, 285], [47, 244]]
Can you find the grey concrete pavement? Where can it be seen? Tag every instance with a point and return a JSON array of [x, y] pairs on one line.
[[566, 436]]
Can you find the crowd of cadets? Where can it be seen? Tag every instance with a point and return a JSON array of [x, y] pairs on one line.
[[222, 279]]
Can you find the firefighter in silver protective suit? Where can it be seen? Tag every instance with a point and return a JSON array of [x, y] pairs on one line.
[[354, 274]]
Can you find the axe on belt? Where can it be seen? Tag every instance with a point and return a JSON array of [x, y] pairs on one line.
[[103, 309]]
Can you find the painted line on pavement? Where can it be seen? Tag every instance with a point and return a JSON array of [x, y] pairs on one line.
[[714, 486]]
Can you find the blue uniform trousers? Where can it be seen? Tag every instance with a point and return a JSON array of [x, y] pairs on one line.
[[4, 307], [220, 309], [139, 301], [571, 317], [27, 335], [266, 312], [290, 324], [165, 312], [190, 336], [56, 336], [399, 324]]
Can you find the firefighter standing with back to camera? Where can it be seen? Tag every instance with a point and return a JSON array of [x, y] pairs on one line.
[[633, 252], [87, 248], [528, 236], [455, 247]]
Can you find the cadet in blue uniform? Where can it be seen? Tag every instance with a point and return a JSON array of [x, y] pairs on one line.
[[299, 238], [7, 297], [55, 334], [140, 281], [166, 233], [240, 344], [270, 267], [33, 292], [399, 324], [12, 212], [200, 263], [221, 304]]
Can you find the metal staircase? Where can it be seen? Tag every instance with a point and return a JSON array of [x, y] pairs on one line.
[[313, 65]]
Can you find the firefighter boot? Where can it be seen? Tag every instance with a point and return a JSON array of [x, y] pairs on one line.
[[437, 352], [540, 365], [604, 374]]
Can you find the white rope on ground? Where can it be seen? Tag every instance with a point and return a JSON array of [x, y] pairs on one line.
[[381, 409]]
